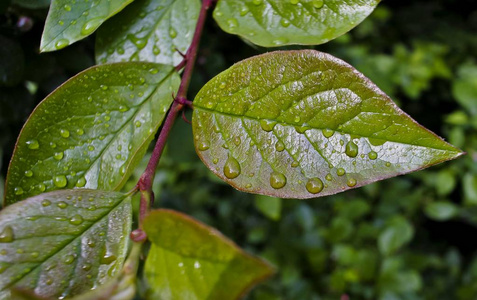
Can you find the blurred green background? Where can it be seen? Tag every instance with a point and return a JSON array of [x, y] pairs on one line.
[[411, 237]]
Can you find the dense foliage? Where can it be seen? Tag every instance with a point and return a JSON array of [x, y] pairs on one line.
[[403, 238]]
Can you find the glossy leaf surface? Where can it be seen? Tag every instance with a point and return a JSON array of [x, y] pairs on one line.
[[70, 21], [92, 130], [149, 30], [189, 260], [63, 243], [303, 124], [272, 23]]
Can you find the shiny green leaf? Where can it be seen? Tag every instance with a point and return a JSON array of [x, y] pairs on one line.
[[189, 260], [303, 124], [71, 21], [63, 243], [272, 23], [395, 235], [149, 30], [92, 131]]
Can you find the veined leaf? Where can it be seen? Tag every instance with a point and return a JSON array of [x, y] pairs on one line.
[[149, 30], [189, 260], [302, 124], [272, 23], [63, 243], [92, 131], [71, 21]]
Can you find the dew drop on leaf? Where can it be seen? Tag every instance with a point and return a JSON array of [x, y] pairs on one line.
[[340, 172], [33, 144], [62, 204], [327, 133], [64, 133], [203, 146], [61, 43], [314, 185], [277, 180], [76, 220], [18, 190], [279, 146], [58, 155], [69, 259], [351, 149], [328, 177], [91, 26], [232, 168], [46, 203], [7, 236], [81, 182], [318, 3], [267, 125], [351, 182], [29, 173], [372, 155], [60, 181]]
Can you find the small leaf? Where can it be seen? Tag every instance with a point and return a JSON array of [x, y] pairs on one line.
[[71, 21], [303, 124], [92, 131], [270, 207], [63, 243], [149, 31], [189, 260], [441, 210], [398, 233], [273, 23]]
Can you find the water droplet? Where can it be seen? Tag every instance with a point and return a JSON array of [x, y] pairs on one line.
[[301, 129], [267, 125], [318, 3], [328, 177], [35, 254], [203, 146], [76, 220], [53, 145], [107, 259], [314, 185], [60, 181], [156, 50], [62, 204], [277, 180], [232, 168], [6, 236], [172, 33], [58, 155], [86, 266], [18, 190], [294, 1], [64, 133], [257, 2], [61, 43], [137, 124], [91, 148], [327, 133], [340, 172], [49, 281], [295, 164], [61, 23], [279, 42], [388, 164], [351, 149], [46, 203], [81, 182], [237, 141], [41, 187], [79, 131], [297, 119], [279, 146], [123, 108], [244, 10], [33, 144], [29, 173], [91, 26], [67, 7], [372, 155], [232, 23], [103, 87], [69, 259], [285, 23], [153, 71], [351, 182]]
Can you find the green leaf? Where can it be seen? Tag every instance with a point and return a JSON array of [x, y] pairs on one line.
[[189, 260], [71, 21], [272, 23], [270, 207], [395, 235], [441, 210], [92, 131], [63, 243], [464, 88], [302, 124], [150, 30]]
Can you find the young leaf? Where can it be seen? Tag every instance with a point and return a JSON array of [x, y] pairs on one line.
[[63, 243], [189, 260], [150, 30], [302, 124], [92, 130], [71, 21], [272, 23]]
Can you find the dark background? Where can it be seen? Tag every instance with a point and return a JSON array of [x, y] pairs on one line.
[[411, 237]]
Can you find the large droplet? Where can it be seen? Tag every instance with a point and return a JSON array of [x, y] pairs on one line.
[[60, 181], [6, 236], [318, 3], [108, 258], [267, 125], [81, 182], [61, 43], [328, 133], [58, 155], [372, 155], [351, 182], [64, 133], [351, 149], [279, 146], [232, 168], [29, 173], [46, 203], [277, 180], [18, 190], [340, 172], [62, 204], [314, 185], [33, 144], [69, 259], [203, 146], [232, 23], [76, 220], [91, 26]]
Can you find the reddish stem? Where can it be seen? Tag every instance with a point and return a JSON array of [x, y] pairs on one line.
[[145, 182]]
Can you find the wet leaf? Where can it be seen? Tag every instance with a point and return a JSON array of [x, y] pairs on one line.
[[150, 30], [303, 124], [273, 23], [71, 21], [92, 131], [63, 243], [189, 260]]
